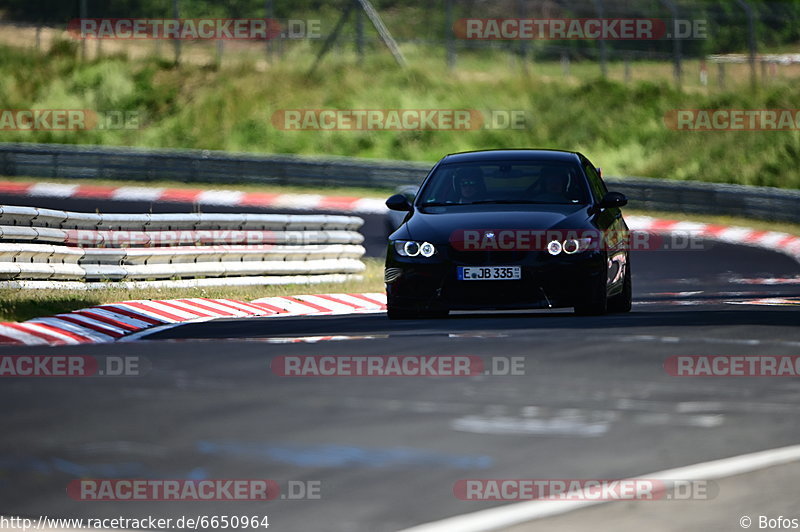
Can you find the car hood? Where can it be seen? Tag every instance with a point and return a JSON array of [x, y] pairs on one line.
[[437, 224]]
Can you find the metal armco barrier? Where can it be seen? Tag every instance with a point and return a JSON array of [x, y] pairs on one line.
[[763, 203], [75, 162], [202, 166], [164, 246]]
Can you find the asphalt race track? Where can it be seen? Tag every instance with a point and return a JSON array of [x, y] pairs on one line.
[[594, 402]]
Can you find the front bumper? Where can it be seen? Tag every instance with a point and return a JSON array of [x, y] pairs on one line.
[[547, 282]]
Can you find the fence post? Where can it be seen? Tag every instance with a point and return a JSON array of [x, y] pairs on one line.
[[220, 52], [269, 14], [448, 29], [751, 39], [523, 44], [83, 14], [600, 8], [676, 42], [176, 13], [360, 35]]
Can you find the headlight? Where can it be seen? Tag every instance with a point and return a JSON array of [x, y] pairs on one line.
[[576, 245], [569, 246], [554, 247], [410, 248]]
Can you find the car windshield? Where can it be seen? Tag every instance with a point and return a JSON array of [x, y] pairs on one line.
[[526, 182]]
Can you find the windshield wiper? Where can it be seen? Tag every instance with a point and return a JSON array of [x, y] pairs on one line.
[[507, 202], [489, 202]]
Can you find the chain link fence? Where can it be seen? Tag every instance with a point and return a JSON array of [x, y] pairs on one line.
[[703, 43]]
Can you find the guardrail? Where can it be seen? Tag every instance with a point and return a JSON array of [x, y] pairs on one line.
[[45, 244], [763, 203], [202, 166], [75, 162]]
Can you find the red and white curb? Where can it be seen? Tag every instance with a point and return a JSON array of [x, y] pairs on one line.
[[130, 319], [228, 198], [770, 240]]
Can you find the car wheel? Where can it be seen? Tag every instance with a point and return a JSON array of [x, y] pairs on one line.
[[597, 305], [622, 302]]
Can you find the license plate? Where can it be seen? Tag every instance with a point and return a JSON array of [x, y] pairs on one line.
[[489, 273]]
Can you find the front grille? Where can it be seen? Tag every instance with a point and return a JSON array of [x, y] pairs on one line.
[[482, 258]]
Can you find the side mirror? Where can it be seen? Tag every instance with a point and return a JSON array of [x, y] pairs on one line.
[[613, 199], [398, 202], [599, 171]]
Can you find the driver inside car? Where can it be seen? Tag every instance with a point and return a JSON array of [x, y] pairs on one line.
[[469, 185]]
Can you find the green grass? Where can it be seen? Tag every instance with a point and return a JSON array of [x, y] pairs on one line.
[[21, 305], [620, 127]]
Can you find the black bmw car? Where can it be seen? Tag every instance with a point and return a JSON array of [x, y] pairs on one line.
[[509, 229]]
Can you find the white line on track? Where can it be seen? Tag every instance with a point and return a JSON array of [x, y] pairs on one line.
[[514, 514]]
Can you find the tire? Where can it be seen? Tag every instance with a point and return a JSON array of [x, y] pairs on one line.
[[598, 304], [622, 302]]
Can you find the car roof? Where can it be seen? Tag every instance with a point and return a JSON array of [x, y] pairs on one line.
[[511, 155]]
